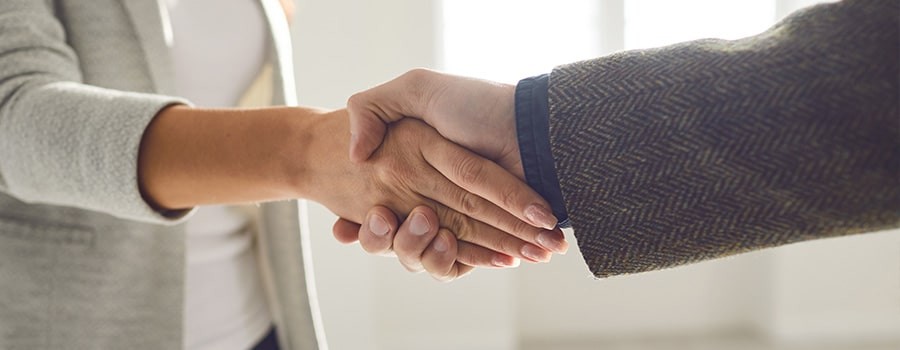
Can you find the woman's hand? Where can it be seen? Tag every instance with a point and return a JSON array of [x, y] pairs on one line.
[[430, 252], [434, 251], [477, 114], [471, 197]]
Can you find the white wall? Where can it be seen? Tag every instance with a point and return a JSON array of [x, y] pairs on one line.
[[844, 290]]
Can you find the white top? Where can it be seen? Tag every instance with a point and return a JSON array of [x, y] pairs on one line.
[[219, 47]]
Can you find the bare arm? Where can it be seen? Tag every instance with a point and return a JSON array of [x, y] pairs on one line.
[[195, 156]]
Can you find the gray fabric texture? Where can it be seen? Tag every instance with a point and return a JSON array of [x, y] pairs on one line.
[[63, 142], [712, 148], [85, 262]]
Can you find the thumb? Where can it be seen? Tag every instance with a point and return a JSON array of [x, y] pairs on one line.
[[366, 132], [345, 231], [371, 110]]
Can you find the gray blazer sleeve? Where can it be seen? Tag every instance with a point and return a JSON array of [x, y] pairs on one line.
[[63, 142], [712, 148]]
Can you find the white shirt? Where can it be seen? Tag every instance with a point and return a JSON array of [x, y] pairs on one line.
[[219, 47]]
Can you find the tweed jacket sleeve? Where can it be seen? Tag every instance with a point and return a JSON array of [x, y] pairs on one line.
[[63, 142], [712, 148]]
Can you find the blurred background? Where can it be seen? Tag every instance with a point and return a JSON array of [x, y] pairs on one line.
[[839, 293]]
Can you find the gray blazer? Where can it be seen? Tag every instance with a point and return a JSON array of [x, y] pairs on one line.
[[85, 263]]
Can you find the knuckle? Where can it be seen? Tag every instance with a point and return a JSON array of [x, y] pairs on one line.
[[508, 244], [412, 261], [374, 247], [470, 203], [409, 247], [402, 248], [443, 231], [464, 271], [412, 269], [415, 85], [416, 76], [462, 226], [521, 228], [469, 169], [391, 179], [384, 174], [438, 185], [356, 100], [443, 270], [509, 198], [446, 277]]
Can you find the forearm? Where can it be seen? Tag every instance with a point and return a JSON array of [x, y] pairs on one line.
[[194, 156], [713, 148]]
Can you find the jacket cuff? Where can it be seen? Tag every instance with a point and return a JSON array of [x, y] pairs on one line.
[[76, 145], [533, 132]]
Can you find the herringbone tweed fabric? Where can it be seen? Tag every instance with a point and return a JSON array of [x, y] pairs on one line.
[[712, 148]]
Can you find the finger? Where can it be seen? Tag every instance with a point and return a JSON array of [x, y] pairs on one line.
[[477, 256], [371, 110], [376, 235], [345, 231], [468, 229], [465, 252], [490, 216], [414, 236], [440, 257], [463, 270], [491, 182]]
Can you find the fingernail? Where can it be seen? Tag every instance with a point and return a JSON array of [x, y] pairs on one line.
[[440, 244], [378, 225], [540, 216], [535, 254], [504, 261], [418, 224], [553, 241]]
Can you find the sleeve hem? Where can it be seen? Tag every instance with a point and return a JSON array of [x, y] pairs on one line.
[[533, 132], [76, 145]]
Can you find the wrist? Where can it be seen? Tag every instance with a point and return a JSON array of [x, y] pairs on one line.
[[321, 159]]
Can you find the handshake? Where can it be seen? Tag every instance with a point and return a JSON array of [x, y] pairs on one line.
[[456, 181], [454, 184], [666, 157]]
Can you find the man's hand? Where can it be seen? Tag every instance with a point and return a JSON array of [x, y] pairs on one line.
[[469, 196]]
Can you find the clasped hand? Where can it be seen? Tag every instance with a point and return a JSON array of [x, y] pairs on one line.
[[458, 210]]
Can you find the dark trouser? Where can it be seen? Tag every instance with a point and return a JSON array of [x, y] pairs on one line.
[[269, 342]]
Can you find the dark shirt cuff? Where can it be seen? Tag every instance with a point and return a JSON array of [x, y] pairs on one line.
[[533, 130]]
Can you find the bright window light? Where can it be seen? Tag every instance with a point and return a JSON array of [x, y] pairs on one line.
[[653, 23], [507, 40]]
